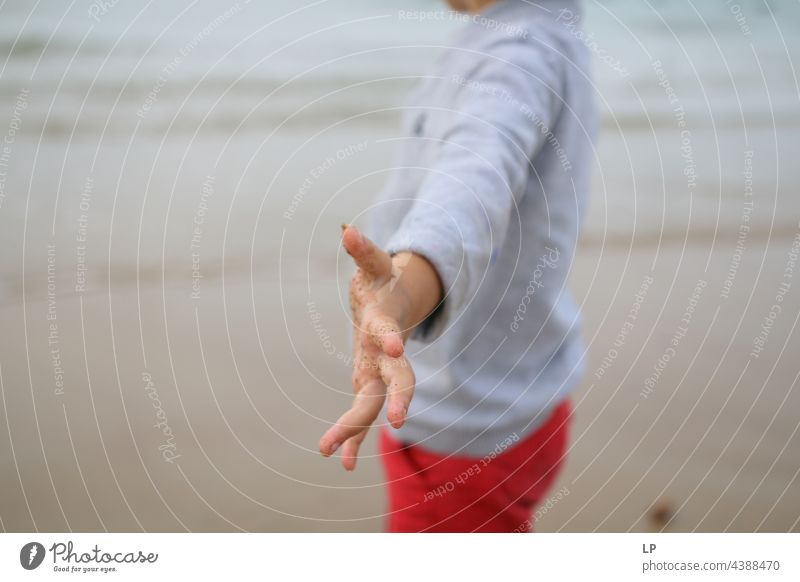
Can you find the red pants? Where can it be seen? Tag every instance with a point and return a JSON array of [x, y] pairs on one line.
[[497, 493]]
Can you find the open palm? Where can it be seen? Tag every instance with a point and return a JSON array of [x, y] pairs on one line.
[[382, 310]]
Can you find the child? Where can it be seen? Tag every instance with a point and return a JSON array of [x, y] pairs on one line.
[[461, 300]]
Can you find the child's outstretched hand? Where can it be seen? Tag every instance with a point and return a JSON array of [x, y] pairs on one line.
[[389, 296]]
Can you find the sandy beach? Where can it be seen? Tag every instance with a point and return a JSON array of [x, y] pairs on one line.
[[245, 382]]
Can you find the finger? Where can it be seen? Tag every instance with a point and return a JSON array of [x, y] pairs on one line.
[[364, 369], [366, 406], [384, 332], [372, 260], [399, 378], [350, 450], [360, 285]]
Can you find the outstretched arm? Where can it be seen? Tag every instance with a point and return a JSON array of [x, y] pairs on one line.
[[389, 297]]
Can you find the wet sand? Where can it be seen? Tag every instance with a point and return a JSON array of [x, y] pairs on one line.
[[242, 381]]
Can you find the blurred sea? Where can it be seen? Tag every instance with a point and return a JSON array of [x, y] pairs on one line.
[[258, 63], [141, 102]]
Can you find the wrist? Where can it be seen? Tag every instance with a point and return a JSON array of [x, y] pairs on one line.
[[418, 282]]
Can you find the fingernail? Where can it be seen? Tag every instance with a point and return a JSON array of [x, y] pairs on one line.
[[355, 230], [334, 448]]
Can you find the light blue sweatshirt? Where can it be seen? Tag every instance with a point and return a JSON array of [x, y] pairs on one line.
[[490, 186]]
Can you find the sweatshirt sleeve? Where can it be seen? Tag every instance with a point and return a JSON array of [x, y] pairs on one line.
[[504, 108]]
